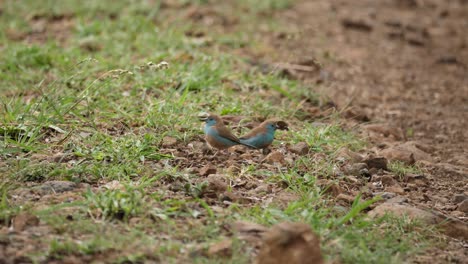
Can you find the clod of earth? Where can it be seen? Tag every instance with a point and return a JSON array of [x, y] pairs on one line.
[[293, 243], [345, 198], [222, 248], [408, 152], [300, 148], [354, 157], [56, 187], [451, 226], [168, 141], [458, 198], [24, 220], [463, 206], [357, 169], [275, 157], [376, 162], [395, 189], [207, 170]]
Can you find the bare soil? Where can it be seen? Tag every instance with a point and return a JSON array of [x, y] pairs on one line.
[[400, 64]]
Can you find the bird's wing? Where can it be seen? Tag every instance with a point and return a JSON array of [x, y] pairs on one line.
[[226, 133], [254, 132]]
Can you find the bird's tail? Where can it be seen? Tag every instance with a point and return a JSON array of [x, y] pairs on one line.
[[242, 142]]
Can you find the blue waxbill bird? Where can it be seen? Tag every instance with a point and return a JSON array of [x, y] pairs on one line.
[[263, 135], [217, 134]]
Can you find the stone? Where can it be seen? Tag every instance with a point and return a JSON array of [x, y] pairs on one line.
[[463, 206], [330, 187], [216, 183], [387, 180], [346, 198], [251, 233], [52, 187], [207, 170], [376, 162], [357, 169], [408, 152], [450, 226], [458, 198], [300, 148], [398, 200], [395, 189], [114, 185], [384, 130], [350, 155], [222, 248], [292, 243], [168, 141], [385, 195], [284, 198], [457, 214], [351, 178], [275, 157], [24, 220]]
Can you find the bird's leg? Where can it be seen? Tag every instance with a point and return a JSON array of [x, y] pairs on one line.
[[215, 154]]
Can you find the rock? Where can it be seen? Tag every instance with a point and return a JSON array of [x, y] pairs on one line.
[[451, 226], [207, 170], [387, 180], [356, 114], [357, 169], [24, 220], [292, 243], [222, 248], [330, 187], [274, 157], [463, 206], [168, 141], [408, 152], [216, 183], [250, 232], [376, 162], [398, 200], [114, 185], [196, 145], [51, 187], [284, 198], [352, 179], [350, 155], [385, 130], [385, 195], [458, 198], [300, 148], [417, 179], [344, 197], [457, 214], [401, 210], [439, 199], [233, 197], [356, 24], [395, 189]]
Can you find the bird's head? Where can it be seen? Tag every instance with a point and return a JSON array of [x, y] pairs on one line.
[[209, 119], [273, 125]]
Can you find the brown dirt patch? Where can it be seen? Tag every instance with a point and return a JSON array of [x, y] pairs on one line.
[[400, 64]]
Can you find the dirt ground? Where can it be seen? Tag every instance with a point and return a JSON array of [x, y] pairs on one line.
[[397, 71], [400, 65]]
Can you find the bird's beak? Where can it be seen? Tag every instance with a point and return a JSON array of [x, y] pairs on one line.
[[203, 116], [281, 125]]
